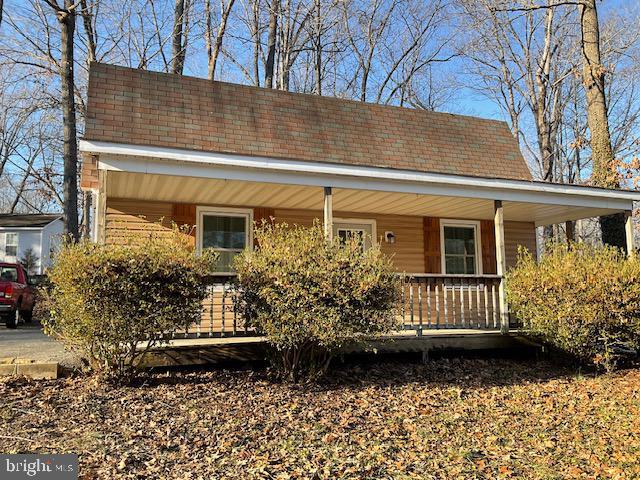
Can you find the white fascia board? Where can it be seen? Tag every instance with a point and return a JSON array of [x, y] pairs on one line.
[[22, 229], [189, 163]]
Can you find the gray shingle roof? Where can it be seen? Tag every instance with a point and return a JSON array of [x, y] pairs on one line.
[[27, 220]]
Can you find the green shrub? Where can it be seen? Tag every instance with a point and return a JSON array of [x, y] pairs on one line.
[[582, 299], [112, 303], [310, 296]]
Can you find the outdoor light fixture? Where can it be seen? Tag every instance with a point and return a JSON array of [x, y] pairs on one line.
[[390, 237]]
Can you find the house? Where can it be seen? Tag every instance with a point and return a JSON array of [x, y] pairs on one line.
[[449, 196], [38, 233]]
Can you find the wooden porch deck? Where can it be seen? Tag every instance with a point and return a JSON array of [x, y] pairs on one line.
[[439, 312], [220, 350]]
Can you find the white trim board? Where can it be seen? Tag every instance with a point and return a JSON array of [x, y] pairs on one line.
[[189, 163]]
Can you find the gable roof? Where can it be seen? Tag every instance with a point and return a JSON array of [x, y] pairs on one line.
[[140, 107], [34, 220]]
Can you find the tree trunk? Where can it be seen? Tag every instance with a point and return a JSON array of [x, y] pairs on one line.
[[255, 35], [21, 187], [1, 9], [271, 43], [570, 231], [87, 21], [217, 44], [604, 172], [318, 48], [67, 19], [178, 51]]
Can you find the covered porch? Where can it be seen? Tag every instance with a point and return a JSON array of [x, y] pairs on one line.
[[415, 216]]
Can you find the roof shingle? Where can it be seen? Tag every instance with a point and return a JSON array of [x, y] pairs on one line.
[[149, 108], [33, 220]]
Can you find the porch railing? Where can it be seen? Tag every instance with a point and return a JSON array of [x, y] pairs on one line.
[[451, 301], [429, 301]]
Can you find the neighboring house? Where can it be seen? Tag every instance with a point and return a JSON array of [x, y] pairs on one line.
[[40, 233], [449, 196]]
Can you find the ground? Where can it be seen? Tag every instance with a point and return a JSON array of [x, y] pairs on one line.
[[444, 420], [29, 341]]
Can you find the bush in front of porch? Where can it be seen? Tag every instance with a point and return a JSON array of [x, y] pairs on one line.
[[310, 296], [580, 298], [112, 303]]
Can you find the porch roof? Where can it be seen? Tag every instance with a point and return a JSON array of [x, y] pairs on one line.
[[176, 175]]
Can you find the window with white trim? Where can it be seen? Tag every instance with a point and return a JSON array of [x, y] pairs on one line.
[[460, 248], [346, 229], [347, 234], [11, 244], [226, 231]]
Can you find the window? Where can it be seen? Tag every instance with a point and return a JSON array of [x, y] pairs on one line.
[[227, 231], [345, 229], [460, 248], [346, 234], [11, 244], [9, 274]]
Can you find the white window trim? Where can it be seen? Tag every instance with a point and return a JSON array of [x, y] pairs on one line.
[[201, 211], [362, 221], [449, 222]]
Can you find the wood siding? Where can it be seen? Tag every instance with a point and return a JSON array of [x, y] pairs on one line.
[[488, 244], [432, 253], [128, 219], [408, 249]]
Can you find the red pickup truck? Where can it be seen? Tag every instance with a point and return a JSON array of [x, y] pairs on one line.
[[16, 294]]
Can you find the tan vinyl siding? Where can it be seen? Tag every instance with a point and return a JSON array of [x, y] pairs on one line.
[[515, 234], [127, 219], [407, 251]]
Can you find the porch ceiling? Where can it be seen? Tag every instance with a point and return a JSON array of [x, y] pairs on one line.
[[211, 191]]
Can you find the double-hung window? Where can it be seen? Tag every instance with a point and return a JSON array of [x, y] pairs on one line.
[[460, 247], [11, 244], [227, 231]]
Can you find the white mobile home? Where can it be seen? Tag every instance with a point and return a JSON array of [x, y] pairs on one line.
[[40, 233]]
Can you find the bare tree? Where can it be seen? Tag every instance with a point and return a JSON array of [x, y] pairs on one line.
[[214, 45], [179, 35], [604, 166], [524, 60], [274, 14], [66, 16], [605, 172], [91, 38]]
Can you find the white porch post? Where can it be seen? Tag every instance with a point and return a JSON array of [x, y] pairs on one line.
[[628, 228], [101, 208], [328, 213], [501, 262]]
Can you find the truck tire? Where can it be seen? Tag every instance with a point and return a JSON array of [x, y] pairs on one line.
[[12, 319]]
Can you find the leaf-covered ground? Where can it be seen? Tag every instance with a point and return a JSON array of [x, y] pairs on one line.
[[448, 419]]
